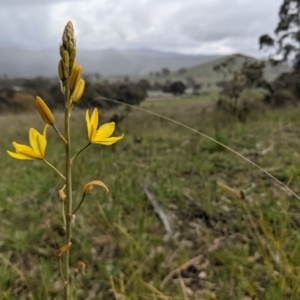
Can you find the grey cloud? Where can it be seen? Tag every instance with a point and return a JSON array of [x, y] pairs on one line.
[[31, 2], [173, 25]]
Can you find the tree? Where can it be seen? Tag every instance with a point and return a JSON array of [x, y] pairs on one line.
[[177, 88], [165, 71], [250, 76], [190, 81], [196, 89], [287, 32], [182, 71], [144, 84], [156, 86]]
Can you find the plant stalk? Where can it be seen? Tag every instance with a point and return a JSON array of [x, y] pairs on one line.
[[68, 210]]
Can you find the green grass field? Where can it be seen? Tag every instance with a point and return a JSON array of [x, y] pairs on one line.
[[223, 246], [204, 99]]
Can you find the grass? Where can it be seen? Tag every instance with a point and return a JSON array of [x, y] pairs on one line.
[[205, 99], [224, 247]]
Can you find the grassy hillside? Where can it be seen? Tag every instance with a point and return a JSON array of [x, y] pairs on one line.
[[205, 74]]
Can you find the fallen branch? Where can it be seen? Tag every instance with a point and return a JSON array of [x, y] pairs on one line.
[[159, 210]]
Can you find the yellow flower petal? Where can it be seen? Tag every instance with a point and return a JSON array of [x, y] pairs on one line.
[[42, 143], [33, 134], [95, 118], [88, 124], [19, 156], [105, 131], [93, 134], [109, 141], [25, 150]]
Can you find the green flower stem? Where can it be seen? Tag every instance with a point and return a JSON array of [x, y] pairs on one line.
[[61, 271], [68, 210], [52, 167], [63, 213], [60, 135], [83, 196], [73, 158]]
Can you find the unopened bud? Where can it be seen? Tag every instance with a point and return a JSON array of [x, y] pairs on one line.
[[44, 111], [75, 76], [63, 71], [72, 55], [68, 37], [78, 91], [66, 58]]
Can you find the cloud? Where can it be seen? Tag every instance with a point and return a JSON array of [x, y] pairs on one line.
[[208, 26], [27, 3]]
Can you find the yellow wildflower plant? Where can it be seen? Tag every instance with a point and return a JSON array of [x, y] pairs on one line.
[[72, 87], [102, 135], [38, 143]]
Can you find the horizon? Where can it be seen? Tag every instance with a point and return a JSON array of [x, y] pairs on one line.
[[153, 50]]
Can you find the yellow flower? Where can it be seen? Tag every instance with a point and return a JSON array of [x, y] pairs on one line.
[[38, 145], [103, 134]]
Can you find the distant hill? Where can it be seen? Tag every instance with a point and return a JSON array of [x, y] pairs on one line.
[[204, 73], [25, 63]]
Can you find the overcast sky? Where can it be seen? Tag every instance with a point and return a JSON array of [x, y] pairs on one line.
[[185, 26]]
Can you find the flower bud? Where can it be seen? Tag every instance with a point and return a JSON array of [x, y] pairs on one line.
[[72, 55], [75, 76], [44, 111], [78, 91], [63, 71], [68, 38], [66, 58]]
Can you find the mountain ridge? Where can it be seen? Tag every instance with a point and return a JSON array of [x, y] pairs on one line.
[[16, 62]]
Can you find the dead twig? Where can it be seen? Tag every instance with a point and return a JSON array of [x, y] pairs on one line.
[[159, 210], [217, 243], [191, 262]]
